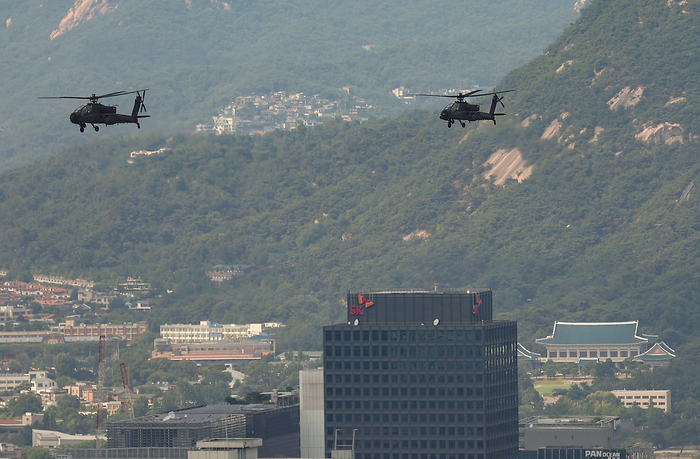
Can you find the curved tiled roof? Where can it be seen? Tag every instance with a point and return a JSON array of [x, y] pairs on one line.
[[524, 354], [659, 351], [596, 333]]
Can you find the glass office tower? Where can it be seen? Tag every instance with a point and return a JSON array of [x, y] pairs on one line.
[[421, 375]]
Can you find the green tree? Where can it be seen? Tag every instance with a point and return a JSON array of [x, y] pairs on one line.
[[140, 406], [681, 432], [36, 453], [65, 365], [25, 403]]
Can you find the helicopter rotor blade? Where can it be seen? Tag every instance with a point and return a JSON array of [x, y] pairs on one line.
[[94, 97], [65, 97], [495, 92], [110, 94], [453, 96], [431, 95]]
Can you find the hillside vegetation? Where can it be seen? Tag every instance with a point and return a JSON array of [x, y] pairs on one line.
[[604, 228], [197, 56]]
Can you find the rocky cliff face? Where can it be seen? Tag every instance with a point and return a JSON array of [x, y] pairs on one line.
[[82, 11]]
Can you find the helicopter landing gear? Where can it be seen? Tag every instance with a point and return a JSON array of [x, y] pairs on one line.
[[96, 128], [82, 128], [138, 125], [462, 123], [449, 124]]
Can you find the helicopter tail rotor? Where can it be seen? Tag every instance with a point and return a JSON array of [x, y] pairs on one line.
[[495, 100], [143, 98], [138, 104]]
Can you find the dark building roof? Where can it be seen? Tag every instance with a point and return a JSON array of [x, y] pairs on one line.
[[596, 333], [200, 414]]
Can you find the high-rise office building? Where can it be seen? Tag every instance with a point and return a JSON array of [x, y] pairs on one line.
[[421, 375]]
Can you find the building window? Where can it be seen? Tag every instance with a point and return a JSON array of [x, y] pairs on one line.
[[552, 353], [583, 354], [623, 353], [594, 353], [613, 353], [562, 354], [572, 354], [603, 353]]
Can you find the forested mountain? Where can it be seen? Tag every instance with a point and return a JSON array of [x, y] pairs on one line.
[[603, 228], [197, 56]]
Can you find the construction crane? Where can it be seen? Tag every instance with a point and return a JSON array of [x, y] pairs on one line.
[[127, 387], [100, 381]]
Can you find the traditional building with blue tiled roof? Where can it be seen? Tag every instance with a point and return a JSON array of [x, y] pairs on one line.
[[576, 342]]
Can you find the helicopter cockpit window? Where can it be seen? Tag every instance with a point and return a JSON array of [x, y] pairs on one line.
[[79, 109]]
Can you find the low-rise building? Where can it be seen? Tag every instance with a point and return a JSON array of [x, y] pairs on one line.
[[211, 331], [220, 273], [8, 381], [659, 355], [660, 399], [576, 342], [572, 432], [84, 392], [43, 385], [134, 284], [91, 296], [10, 313], [52, 439], [83, 332], [231, 352]]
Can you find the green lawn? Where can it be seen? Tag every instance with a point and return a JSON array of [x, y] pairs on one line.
[[546, 386]]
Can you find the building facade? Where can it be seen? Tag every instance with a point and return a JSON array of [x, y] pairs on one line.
[[83, 332], [658, 355], [211, 331], [8, 381], [576, 342], [311, 413], [660, 399], [576, 432], [278, 427], [421, 375], [224, 351]]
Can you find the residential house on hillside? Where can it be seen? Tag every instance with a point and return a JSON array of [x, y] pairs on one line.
[[91, 296], [220, 273]]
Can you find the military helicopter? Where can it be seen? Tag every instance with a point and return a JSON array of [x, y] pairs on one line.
[[94, 113], [461, 110]]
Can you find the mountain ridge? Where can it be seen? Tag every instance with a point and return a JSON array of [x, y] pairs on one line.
[[197, 59], [604, 228]]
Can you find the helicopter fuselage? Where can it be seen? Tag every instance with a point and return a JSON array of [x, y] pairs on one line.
[[460, 111], [99, 114], [95, 113]]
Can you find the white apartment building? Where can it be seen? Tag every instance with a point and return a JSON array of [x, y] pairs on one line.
[[660, 399], [207, 331], [9, 381]]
